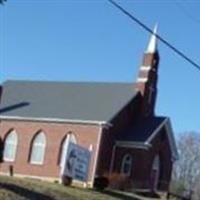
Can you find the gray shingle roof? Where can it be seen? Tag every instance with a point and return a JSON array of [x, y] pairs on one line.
[[85, 101], [142, 130]]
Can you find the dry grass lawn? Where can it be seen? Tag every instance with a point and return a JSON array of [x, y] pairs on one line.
[[27, 189]]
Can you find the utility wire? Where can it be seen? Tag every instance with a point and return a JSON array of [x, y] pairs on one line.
[[140, 23], [2, 1]]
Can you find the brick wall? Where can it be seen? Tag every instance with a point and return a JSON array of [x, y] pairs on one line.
[[86, 135], [120, 123], [143, 160], [161, 146]]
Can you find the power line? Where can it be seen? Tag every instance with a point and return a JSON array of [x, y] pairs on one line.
[[140, 23], [2, 1]]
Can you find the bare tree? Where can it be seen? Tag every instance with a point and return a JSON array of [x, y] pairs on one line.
[[186, 173]]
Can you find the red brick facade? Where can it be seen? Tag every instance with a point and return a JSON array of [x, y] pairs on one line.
[[142, 158], [86, 135], [143, 161], [127, 117]]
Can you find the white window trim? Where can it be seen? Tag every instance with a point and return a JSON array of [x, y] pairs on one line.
[[37, 163], [156, 162], [123, 164], [45, 144], [64, 147], [70, 137], [6, 159]]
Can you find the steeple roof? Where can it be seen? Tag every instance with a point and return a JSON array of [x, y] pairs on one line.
[[152, 46]]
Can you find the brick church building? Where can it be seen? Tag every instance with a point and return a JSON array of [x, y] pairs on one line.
[[115, 121]]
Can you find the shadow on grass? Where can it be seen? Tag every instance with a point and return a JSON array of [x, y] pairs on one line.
[[149, 194], [117, 195], [24, 192]]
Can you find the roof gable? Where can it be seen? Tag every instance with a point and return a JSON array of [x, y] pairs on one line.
[[142, 135], [143, 130]]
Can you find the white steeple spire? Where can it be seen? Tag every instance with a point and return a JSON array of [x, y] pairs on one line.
[[152, 46]]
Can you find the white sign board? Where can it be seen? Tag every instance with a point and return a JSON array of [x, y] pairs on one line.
[[77, 162]]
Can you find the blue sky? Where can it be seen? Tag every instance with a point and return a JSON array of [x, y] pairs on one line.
[[90, 40]]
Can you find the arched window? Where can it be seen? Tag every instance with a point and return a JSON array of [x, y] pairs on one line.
[[126, 165], [156, 163], [64, 146], [38, 149], [10, 146]]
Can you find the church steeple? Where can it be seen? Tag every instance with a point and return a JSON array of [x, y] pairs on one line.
[[147, 78], [152, 46]]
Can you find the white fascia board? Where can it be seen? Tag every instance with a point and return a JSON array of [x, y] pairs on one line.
[[172, 142], [136, 145], [166, 123], [145, 68], [57, 120], [143, 80], [156, 131]]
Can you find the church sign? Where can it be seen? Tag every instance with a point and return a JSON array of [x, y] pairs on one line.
[[77, 162]]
